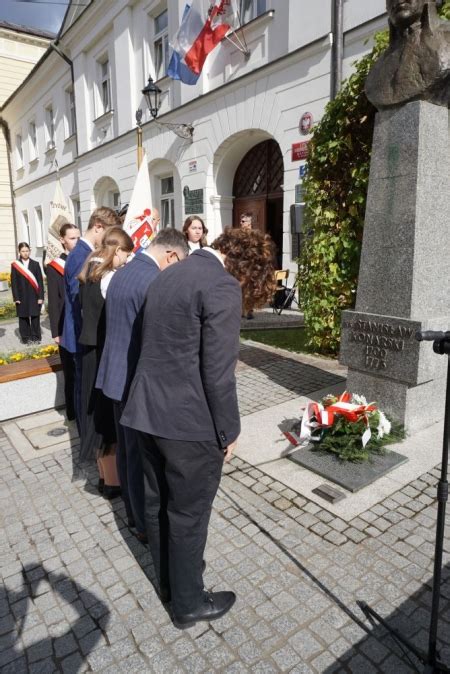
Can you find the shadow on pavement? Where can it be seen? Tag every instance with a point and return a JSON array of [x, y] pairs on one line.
[[290, 374], [34, 610], [411, 618]]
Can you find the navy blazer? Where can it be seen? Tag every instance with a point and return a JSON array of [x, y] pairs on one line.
[[72, 315], [124, 302], [185, 386]]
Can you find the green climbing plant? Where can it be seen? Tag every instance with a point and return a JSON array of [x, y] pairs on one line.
[[335, 194]]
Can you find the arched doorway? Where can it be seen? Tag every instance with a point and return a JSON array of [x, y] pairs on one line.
[[258, 190], [107, 193]]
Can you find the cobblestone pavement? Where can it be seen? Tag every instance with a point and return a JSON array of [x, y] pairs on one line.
[[77, 593]]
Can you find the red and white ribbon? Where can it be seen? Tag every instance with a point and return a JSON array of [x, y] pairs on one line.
[[316, 417], [58, 264], [26, 273]]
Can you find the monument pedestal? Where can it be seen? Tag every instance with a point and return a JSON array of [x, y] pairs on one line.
[[404, 278]]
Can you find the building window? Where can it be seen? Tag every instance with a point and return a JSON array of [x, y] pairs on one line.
[[104, 87], [167, 209], [25, 227], [33, 140], [19, 151], [161, 44], [250, 9], [71, 115], [77, 212], [50, 127], [41, 238]]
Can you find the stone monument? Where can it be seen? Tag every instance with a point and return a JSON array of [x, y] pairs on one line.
[[404, 279]]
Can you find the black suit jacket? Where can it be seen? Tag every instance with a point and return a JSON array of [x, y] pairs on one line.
[[56, 298], [185, 387], [22, 291]]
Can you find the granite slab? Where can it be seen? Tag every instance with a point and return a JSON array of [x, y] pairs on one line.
[[347, 474]]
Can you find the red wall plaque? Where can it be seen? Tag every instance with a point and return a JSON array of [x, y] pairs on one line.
[[299, 151]]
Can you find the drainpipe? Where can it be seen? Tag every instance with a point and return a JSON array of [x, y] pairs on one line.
[[337, 48], [60, 53], [6, 133]]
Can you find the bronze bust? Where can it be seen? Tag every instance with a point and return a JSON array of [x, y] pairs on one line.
[[416, 65]]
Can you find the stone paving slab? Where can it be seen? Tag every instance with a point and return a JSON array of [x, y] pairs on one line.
[[77, 594]]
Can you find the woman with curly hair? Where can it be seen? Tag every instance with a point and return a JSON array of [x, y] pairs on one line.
[[98, 435], [195, 231]]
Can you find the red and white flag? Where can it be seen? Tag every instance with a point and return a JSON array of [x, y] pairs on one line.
[[204, 25], [139, 223]]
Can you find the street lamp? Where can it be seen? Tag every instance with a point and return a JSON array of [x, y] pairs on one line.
[[152, 94]]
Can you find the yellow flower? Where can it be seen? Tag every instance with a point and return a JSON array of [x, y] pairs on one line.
[[15, 357], [3, 361]]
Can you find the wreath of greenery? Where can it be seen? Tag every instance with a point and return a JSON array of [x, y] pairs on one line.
[[335, 195]]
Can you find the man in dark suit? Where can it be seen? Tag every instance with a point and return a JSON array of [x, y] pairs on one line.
[[124, 307], [69, 235], [101, 219], [183, 402]]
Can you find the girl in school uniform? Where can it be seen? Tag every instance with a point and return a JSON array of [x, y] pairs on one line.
[[195, 232], [98, 434], [28, 294]]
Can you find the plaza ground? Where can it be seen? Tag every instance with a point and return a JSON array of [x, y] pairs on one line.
[[77, 593]]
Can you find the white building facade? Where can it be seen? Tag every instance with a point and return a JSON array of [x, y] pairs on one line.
[[75, 114]]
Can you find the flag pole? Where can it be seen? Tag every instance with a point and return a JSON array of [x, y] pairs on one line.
[[140, 151]]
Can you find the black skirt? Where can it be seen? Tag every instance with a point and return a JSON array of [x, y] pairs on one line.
[[98, 431]]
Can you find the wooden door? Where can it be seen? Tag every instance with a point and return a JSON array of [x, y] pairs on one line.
[[257, 206]]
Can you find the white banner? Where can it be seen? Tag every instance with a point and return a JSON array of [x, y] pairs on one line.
[[138, 221], [60, 213]]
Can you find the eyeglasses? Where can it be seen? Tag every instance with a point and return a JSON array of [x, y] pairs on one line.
[[173, 252]]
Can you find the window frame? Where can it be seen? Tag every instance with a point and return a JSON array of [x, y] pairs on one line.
[[71, 114], [258, 7], [162, 37], [26, 226], [169, 198], [50, 127], [39, 227], [33, 146], [102, 80], [19, 151]]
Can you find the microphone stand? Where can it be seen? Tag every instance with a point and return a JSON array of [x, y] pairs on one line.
[[430, 659]]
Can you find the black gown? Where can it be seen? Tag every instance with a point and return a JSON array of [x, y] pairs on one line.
[[97, 416], [28, 311]]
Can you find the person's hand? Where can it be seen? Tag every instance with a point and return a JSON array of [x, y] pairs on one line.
[[57, 340], [229, 450], [40, 301], [17, 301]]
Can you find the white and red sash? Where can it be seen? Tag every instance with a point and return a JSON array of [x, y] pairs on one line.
[[58, 263], [26, 273]]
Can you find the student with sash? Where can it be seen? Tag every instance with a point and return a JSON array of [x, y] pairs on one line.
[[98, 433], [28, 294], [101, 219], [69, 235]]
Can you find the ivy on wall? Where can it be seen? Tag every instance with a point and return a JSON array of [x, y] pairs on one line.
[[335, 194]]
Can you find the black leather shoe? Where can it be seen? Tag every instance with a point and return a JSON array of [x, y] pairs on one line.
[[214, 606], [110, 492]]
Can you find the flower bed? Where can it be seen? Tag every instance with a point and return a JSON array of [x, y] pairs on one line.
[[31, 385], [33, 354]]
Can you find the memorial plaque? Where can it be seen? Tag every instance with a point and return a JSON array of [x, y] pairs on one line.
[[381, 345], [193, 201]]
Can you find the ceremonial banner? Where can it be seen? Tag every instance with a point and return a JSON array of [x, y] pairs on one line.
[[60, 213], [204, 24], [138, 221]]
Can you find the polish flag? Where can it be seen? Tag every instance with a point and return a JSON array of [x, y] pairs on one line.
[[204, 25]]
